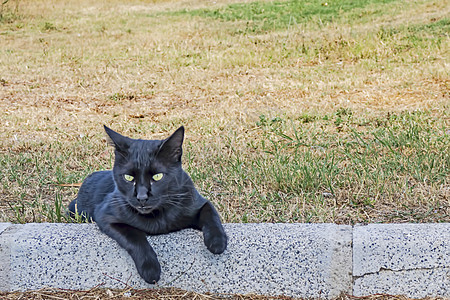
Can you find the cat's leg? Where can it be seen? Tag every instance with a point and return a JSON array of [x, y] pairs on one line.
[[213, 233], [77, 212], [135, 242], [72, 209]]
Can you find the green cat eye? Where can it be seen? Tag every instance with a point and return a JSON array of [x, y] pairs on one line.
[[158, 176], [128, 177]]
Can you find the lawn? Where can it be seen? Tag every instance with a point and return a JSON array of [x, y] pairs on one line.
[[295, 111]]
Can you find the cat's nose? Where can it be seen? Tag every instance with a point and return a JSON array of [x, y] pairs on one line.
[[142, 198], [142, 194]]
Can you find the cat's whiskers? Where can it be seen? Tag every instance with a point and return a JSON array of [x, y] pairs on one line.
[[120, 203], [178, 197]]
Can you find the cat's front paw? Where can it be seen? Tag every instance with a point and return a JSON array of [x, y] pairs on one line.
[[216, 243], [150, 271]]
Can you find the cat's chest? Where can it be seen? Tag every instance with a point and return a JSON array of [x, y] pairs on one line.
[[159, 223]]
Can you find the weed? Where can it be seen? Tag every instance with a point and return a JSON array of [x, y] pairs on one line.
[[117, 97], [48, 26]]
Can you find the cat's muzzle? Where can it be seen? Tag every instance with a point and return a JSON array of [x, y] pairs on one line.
[[145, 210]]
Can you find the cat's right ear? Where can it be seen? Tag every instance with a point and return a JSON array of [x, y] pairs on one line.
[[118, 141]]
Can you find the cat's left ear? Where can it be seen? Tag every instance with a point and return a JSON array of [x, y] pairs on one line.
[[171, 148]]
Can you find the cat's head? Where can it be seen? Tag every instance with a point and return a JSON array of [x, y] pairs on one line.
[[148, 172]]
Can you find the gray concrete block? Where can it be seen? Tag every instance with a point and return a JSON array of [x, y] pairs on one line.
[[4, 226], [4, 256], [402, 259], [303, 260]]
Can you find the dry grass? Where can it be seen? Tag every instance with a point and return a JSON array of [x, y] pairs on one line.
[[168, 293], [139, 67], [98, 293]]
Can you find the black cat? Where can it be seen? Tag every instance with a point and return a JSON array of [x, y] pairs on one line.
[[147, 193]]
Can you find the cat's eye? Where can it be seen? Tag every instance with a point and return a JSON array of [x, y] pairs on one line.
[[128, 177], [158, 176]]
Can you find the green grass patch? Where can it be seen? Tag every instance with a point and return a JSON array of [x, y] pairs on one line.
[[37, 180], [419, 35], [276, 15], [341, 158]]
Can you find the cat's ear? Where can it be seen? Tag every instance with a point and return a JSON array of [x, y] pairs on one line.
[[171, 149], [118, 141]]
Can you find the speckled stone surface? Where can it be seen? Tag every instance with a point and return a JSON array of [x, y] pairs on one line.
[[402, 259], [4, 257], [4, 226], [303, 260]]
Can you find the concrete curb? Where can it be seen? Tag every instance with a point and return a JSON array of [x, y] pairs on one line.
[[300, 260], [402, 259]]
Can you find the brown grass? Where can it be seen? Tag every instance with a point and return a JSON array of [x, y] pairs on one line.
[[168, 293], [69, 67]]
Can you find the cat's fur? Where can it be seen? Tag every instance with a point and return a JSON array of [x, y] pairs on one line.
[[128, 211]]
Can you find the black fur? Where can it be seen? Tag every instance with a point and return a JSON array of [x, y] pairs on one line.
[[128, 211]]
